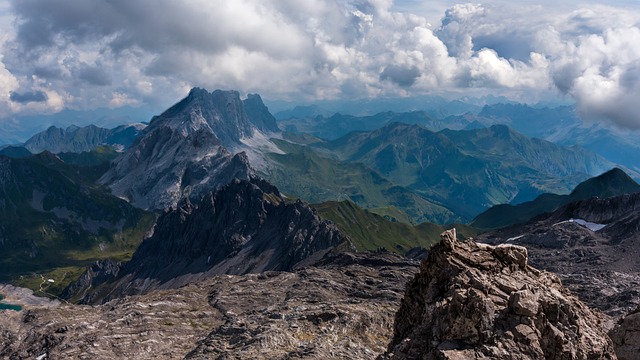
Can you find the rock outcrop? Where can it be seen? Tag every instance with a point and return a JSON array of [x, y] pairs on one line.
[[476, 301], [626, 336]]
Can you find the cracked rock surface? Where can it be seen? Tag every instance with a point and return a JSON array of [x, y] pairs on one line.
[[342, 308], [477, 301], [626, 336]]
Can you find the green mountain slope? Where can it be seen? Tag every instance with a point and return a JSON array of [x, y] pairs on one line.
[[370, 231], [318, 177], [467, 171], [51, 218], [611, 183]]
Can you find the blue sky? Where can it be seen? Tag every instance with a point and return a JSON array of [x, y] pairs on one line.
[[84, 55]]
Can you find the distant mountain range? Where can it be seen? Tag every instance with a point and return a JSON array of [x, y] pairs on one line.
[[338, 125], [82, 139], [560, 125], [405, 164], [18, 129]]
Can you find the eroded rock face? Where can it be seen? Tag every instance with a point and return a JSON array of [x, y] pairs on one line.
[[477, 301], [626, 336]]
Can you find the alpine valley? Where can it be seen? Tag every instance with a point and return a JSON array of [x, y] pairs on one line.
[[217, 230]]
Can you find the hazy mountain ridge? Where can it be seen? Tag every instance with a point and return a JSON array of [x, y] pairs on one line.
[[338, 125], [17, 130], [316, 177], [82, 139], [467, 171], [562, 125]]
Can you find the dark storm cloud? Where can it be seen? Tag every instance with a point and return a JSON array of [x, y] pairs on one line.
[[403, 76], [144, 24], [94, 75], [27, 97]]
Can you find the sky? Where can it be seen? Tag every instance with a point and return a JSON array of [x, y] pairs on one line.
[[84, 55]]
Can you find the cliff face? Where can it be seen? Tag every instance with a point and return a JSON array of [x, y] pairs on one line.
[[473, 301]]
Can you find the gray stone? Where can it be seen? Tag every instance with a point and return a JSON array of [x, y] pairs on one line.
[[455, 309]]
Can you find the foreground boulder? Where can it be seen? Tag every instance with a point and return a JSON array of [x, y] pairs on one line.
[[476, 301]]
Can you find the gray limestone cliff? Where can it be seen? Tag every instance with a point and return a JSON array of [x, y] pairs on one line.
[[192, 148]]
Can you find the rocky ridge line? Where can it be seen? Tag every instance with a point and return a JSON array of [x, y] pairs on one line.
[[244, 227]]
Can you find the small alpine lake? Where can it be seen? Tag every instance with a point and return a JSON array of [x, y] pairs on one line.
[[7, 306]]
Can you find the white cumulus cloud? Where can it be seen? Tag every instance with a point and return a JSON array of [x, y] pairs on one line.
[[79, 54]]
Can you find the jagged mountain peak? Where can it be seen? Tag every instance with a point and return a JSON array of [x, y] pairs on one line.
[[243, 227], [197, 145], [221, 112], [259, 114]]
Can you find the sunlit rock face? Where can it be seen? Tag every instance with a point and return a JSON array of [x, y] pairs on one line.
[[472, 301]]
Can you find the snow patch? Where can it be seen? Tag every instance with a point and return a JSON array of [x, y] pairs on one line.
[[514, 238], [262, 142], [256, 147], [589, 225]]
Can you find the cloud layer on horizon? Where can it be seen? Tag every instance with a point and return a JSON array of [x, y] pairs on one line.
[[79, 54]]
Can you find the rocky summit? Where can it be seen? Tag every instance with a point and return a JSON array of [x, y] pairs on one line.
[[476, 301], [191, 148]]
